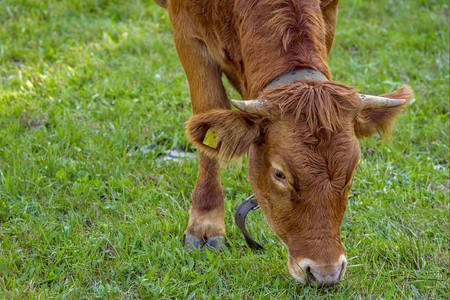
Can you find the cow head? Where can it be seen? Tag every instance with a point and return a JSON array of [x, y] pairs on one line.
[[302, 151]]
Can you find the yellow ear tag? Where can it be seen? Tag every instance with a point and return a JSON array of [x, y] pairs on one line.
[[210, 139]]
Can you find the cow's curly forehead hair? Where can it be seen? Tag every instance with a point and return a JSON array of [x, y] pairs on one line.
[[324, 106]]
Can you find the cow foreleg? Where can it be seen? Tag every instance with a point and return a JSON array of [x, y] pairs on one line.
[[206, 222]]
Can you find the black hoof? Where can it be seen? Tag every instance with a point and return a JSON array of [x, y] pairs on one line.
[[216, 241], [193, 242]]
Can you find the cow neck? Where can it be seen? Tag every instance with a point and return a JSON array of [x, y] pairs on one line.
[[301, 74]]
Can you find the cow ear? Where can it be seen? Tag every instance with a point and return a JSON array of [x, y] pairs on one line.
[[380, 120], [223, 134]]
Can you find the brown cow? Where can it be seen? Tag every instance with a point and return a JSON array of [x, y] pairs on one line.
[[301, 135]]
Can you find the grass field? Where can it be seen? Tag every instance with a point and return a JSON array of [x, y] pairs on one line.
[[91, 96]]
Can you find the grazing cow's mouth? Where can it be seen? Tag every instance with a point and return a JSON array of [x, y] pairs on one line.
[[306, 270]]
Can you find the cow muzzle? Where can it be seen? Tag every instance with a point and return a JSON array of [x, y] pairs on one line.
[[306, 270]]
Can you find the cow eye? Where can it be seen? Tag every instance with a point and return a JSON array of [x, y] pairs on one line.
[[280, 175], [280, 178]]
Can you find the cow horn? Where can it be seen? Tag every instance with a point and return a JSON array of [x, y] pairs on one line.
[[371, 102], [251, 106]]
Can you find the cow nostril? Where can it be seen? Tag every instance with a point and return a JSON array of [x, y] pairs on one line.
[[342, 270], [311, 277]]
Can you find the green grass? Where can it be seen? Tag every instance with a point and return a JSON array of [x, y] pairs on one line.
[[84, 85]]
